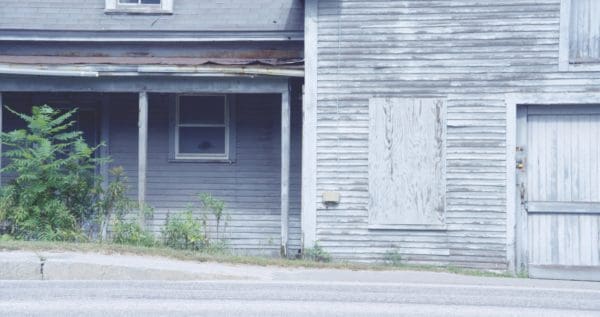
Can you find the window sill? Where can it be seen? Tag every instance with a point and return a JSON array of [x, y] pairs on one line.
[[139, 11], [408, 227], [202, 160], [580, 67]]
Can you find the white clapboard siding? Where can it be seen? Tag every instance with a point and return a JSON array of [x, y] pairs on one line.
[[563, 175], [585, 30], [472, 52], [406, 162]]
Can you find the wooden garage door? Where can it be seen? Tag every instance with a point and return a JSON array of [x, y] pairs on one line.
[[561, 193]]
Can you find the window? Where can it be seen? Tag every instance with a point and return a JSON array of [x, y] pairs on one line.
[[407, 163], [201, 128], [580, 35], [139, 6]]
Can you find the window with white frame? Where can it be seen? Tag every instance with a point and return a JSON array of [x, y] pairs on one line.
[[139, 6], [202, 127], [580, 34]]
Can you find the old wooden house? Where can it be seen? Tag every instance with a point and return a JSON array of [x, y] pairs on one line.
[[449, 132]]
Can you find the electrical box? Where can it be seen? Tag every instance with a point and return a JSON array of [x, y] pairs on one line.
[[331, 198]]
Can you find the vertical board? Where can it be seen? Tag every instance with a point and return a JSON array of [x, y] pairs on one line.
[[406, 161], [285, 169]]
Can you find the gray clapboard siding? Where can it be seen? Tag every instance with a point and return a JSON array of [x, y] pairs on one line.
[[472, 52], [188, 15]]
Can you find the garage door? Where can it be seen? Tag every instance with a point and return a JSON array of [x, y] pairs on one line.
[[558, 162]]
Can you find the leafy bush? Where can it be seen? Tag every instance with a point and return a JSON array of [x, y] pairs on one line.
[[182, 231], [215, 206], [317, 254], [55, 186], [114, 202], [393, 258], [131, 232]]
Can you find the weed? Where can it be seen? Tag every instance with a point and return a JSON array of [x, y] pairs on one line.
[[317, 254]]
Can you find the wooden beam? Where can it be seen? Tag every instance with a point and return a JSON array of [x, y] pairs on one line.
[[285, 169], [142, 152], [521, 242], [309, 129], [171, 85], [563, 207]]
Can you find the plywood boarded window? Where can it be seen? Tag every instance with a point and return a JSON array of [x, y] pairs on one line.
[[584, 31], [406, 163]]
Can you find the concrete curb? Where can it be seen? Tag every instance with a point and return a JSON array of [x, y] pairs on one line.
[[28, 265]]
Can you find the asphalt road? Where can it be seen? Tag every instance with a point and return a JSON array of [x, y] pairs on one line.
[[293, 298]]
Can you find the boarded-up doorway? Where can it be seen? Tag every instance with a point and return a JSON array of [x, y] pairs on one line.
[[558, 189]]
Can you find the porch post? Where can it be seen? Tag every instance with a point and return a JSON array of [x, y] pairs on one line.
[[142, 152], [1, 117], [309, 128], [285, 169]]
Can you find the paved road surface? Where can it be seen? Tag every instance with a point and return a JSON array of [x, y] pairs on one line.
[[297, 298]]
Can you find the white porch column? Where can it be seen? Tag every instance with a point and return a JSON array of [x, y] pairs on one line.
[[142, 152], [309, 128], [285, 169]]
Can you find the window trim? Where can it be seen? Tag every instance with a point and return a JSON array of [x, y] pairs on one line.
[[564, 58], [113, 6], [229, 125]]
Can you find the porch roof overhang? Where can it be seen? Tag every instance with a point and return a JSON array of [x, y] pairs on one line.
[[68, 66]]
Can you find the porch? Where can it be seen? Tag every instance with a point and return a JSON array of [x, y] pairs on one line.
[[249, 157]]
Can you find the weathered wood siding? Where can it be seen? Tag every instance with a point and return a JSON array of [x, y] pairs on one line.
[[471, 52], [250, 186], [188, 15]]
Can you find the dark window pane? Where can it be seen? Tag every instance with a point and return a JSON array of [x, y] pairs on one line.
[[151, 1], [128, 1], [202, 110], [201, 140]]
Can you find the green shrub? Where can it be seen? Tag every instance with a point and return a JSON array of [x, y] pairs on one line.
[[55, 187], [114, 202], [317, 254], [131, 232], [393, 258], [215, 206], [182, 231]]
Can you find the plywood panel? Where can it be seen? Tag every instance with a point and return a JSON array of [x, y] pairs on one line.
[[585, 30], [406, 161]]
